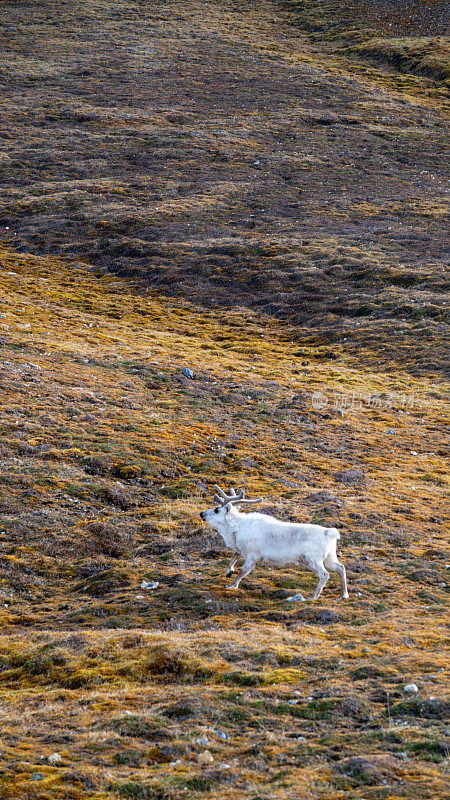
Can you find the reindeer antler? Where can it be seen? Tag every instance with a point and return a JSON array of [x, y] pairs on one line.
[[223, 498]]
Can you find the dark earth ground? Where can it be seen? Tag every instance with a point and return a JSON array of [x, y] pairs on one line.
[[233, 164]]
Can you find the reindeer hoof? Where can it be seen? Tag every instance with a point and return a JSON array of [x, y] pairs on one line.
[[228, 573], [345, 596], [232, 586]]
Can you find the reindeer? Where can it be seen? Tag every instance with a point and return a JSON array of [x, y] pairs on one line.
[[260, 537]]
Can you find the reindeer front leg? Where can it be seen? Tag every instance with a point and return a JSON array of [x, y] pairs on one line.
[[247, 567], [230, 568]]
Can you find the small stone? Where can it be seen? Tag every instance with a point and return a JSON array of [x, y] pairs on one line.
[[55, 758], [149, 585], [410, 688], [295, 598], [187, 373], [37, 776], [221, 734], [202, 741], [414, 453], [205, 758]]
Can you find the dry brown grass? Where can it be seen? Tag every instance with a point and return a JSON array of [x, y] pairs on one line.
[[88, 395], [107, 453]]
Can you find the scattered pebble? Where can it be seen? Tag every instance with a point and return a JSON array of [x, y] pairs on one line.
[[413, 453], [221, 734], [294, 598], [205, 758], [410, 688], [187, 373], [149, 585], [55, 758], [37, 776], [202, 741]]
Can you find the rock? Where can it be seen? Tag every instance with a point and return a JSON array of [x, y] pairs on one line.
[[187, 373], [410, 688], [202, 741], [205, 758], [295, 598], [221, 734], [37, 776], [414, 453], [149, 585], [55, 758], [350, 477]]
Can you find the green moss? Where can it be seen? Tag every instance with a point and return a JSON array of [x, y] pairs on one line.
[[428, 709], [138, 727], [242, 678], [131, 757]]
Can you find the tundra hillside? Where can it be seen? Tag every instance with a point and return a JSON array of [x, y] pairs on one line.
[[211, 185]]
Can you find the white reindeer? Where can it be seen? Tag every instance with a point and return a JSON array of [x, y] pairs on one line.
[[260, 537]]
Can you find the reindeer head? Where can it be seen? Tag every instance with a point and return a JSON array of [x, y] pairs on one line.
[[216, 517]]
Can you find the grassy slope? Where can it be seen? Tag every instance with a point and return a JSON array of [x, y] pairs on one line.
[[315, 190], [107, 456]]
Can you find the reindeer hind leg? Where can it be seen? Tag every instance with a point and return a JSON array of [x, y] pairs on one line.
[[336, 566]]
